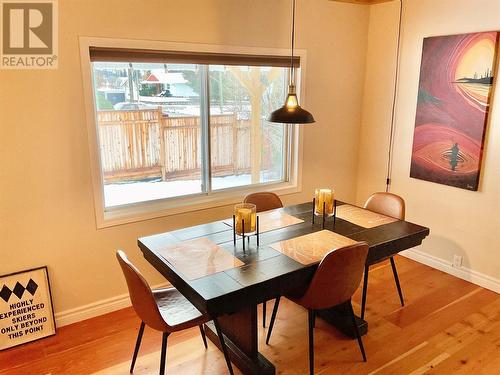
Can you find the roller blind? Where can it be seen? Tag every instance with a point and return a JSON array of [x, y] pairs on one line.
[[161, 56]]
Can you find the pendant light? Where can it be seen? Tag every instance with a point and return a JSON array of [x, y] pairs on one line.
[[291, 112]]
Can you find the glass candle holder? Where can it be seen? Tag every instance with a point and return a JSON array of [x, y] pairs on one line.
[[326, 197], [248, 213]]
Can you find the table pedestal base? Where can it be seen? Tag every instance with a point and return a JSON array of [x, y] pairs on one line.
[[340, 317], [240, 336]]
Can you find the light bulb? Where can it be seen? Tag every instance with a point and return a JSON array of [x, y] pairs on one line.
[[291, 101]]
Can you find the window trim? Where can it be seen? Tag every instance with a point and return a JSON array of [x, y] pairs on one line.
[[140, 211]]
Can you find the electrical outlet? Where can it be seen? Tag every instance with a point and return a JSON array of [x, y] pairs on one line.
[[457, 261]]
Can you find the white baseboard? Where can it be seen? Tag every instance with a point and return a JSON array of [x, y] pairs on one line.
[[94, 309], [464, 273]]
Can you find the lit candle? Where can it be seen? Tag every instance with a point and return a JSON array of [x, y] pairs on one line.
[[324, 196], [248, 213]]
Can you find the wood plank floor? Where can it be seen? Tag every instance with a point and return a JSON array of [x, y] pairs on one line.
[[448, 326]]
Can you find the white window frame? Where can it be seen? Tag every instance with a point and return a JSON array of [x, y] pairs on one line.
[[111, 216]]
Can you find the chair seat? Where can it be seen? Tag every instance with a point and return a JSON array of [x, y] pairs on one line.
[[176, 310]]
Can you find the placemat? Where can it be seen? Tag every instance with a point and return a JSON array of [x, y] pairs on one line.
[[199, 257], [311, 248], [362, 217], [271, 220]]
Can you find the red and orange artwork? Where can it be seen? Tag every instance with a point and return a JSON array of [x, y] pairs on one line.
[[456, 79]]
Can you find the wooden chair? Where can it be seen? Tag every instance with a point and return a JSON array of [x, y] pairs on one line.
[[165, 310], [264, 201], [390, 205], [334, 282]]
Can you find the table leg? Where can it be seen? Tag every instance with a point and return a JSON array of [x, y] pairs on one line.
[[340, 317], [241, 337]]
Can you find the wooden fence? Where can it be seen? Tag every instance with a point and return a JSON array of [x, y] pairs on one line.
[[145, 144]]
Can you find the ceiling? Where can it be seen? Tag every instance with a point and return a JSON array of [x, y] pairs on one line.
[[368, 2]]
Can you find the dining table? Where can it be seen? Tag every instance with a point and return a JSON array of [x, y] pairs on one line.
[[228, 281]]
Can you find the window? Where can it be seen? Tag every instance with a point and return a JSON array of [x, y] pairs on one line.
[[245, 148], [149, 129], [172, 126]]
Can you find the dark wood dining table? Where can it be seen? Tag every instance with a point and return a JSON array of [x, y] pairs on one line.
[[265, 273]]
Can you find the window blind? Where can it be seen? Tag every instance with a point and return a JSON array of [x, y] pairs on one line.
[[161, 56]]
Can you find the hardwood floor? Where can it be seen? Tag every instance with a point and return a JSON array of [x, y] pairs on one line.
[[448, 326]]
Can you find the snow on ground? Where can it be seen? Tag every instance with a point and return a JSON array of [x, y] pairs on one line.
[[126, 193]]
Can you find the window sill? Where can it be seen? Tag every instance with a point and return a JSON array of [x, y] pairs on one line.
[[168, 207]]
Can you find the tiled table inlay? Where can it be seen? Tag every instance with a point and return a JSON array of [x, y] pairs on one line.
[[271, 220], [311, 248], [363, 218], [199, 257]]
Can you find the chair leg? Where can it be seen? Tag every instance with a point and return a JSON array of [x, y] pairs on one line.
[[264, 314], [396, 278], [137, 346], [358, 336], [223, 345], [365, 289], [314, 318], [311, 340], [202, 331], [163, 359], [273, 318]]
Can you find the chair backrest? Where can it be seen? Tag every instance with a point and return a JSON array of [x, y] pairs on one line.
[[141, 295], [386, 204], [337, 277], [264, 201]]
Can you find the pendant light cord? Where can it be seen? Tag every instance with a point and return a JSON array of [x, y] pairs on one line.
[[394, 99], [292, 70]]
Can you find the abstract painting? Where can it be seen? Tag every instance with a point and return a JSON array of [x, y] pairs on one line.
[[456, 79]]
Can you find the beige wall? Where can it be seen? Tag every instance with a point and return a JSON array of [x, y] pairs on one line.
[[378, 97], [46, 203], [462, 222]]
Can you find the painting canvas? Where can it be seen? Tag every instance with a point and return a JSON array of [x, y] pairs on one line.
[[456, 80]]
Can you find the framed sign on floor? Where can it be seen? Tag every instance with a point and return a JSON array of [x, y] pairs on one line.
[[26, 312]]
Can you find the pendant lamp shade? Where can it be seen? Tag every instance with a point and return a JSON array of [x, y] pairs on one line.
[[291, 112]]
